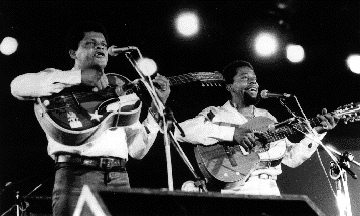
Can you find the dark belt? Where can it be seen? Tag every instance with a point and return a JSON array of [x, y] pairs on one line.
[[97, 162]]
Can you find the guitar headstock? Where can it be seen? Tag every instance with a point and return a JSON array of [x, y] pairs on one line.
[[209, 78], [349, 112]]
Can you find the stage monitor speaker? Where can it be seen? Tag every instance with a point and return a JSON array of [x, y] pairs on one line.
[[155, 202]]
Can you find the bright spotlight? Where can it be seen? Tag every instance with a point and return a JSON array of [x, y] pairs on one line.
[[147, 66], [353, 63], [266, 44], [8, 45], [187, 24], [295, 53]]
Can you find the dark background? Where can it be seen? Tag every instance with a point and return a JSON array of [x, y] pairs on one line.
[[328, 31]]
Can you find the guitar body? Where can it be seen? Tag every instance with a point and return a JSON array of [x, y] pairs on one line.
[[227, 162], [79, 117]]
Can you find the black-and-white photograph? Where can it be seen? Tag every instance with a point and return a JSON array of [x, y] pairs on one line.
[[180, 108]]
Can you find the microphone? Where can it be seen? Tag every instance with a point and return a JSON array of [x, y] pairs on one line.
[[114, 51], [265, 94]]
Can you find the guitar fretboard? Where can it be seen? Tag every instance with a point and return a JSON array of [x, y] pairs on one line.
[[287, 130], [198, 76]]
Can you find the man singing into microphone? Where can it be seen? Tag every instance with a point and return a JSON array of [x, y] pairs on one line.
[[100, 163], [217, 124]]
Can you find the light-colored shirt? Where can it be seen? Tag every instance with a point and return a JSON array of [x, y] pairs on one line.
[[133, 140], [205, 131]]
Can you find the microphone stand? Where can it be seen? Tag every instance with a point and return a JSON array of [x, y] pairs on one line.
[[200, 183], [20, 203], [168, 120], [160, 108], [337, 166]]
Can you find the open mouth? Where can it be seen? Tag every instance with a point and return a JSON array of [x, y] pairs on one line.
[[252, 89], [99, 55]]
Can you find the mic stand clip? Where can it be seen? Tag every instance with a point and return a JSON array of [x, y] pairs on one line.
[[337, 172]]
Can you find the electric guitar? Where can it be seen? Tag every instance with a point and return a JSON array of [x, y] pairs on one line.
[[228, 163], [77, 117]]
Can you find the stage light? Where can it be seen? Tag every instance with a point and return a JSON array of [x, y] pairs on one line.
[[187, 24], [147, 66], [266, 44], [353, 63], [295, 53], [8, 45]]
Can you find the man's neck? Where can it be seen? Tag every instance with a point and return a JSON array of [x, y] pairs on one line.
[[79, 67], [245, 110]]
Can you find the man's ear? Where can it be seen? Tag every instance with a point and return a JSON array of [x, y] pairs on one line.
[[228, 87], [72, 54]]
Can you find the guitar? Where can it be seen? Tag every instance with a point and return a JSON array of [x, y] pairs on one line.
[[77, 117], [227, 162]]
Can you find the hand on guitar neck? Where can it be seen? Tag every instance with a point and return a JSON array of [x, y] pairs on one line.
[[328, 121]]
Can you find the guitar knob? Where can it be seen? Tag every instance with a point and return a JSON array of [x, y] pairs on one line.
[[46, 102]]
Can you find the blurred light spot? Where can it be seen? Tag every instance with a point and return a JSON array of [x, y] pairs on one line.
[[353, 63], [281, 5], [187, 24], [8, 45], [147, 66], [266, 44], [295, 53]]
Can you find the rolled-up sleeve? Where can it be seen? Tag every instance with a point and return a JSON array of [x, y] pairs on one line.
[[200, 130], [44, 83], [141, 137], [298, 153]]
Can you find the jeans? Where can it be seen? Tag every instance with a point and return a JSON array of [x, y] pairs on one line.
[[69, 181]]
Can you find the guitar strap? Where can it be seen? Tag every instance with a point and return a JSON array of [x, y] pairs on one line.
[[227, 124]]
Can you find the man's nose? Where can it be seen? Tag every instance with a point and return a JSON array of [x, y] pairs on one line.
[[100, 47], [252, 81]]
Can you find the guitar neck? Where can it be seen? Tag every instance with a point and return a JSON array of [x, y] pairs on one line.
[[181, 79], [195, 77], [287, 130]]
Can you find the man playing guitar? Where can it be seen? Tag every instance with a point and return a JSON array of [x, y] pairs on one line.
[[246, 166], [80, 158]]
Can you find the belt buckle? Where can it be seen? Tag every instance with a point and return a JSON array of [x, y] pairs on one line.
[[107, 162], [264, 176]]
